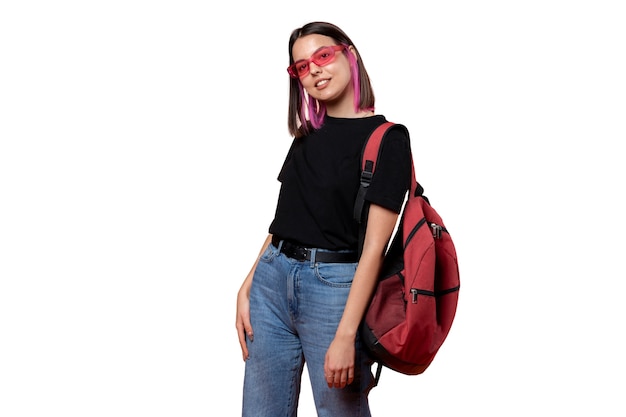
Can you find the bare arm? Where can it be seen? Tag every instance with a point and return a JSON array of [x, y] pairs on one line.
[[244, 328], [339, 363]]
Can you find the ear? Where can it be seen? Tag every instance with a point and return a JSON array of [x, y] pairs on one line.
[[352, 50]]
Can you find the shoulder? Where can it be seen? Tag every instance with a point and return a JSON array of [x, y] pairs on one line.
[[397, 130], [396, 145], [398, 135]]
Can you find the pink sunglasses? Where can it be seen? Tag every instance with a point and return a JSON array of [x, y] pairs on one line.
[[323, 56]]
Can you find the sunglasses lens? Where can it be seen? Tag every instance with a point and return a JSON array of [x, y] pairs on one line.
[[299, 69], [323, 56]]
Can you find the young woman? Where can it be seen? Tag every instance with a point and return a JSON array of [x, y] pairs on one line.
[[306, 294]]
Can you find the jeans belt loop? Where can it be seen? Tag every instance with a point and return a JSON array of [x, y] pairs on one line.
[[313, 253]]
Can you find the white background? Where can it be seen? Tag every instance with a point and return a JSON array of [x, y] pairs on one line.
[[139, 148]]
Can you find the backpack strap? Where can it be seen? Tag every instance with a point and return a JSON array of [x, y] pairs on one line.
[[369, 156]]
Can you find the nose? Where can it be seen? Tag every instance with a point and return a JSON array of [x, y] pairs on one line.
[[314, 68]]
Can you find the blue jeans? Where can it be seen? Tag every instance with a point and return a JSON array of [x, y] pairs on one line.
[[295, 308]]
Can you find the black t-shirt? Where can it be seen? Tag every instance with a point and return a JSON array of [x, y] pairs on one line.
[[320, 179]]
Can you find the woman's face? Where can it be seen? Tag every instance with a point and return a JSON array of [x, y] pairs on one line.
[[330, 83]]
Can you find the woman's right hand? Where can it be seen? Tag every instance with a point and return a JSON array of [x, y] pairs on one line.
[[244, 328]]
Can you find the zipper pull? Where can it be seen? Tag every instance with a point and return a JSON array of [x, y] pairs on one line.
[[414, 295], [436, 230]]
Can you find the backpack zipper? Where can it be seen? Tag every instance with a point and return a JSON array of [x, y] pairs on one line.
[[436, 229]]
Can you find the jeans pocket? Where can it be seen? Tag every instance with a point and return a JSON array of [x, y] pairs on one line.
[[269, 254], [336, 274]]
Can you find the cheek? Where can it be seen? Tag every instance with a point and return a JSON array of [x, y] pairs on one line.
[[341, 72], [341, 81], [307, 82], [309, 86]]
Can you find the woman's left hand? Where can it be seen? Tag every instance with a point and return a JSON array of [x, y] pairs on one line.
[[339, 363]]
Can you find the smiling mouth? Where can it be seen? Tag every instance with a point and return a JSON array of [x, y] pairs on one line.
[[321, 83]]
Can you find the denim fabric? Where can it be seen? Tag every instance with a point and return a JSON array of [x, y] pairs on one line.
[[295, 308]]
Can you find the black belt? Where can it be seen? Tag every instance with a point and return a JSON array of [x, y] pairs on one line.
[[300, 253]]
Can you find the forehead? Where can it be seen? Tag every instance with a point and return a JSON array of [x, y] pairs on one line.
[[305, 46]]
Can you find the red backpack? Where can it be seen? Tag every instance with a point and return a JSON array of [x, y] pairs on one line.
[[414, 304]]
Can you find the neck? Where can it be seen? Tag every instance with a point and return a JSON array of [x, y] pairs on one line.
[[348, 113]]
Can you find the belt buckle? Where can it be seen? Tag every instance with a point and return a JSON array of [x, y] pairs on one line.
[[301, 253]]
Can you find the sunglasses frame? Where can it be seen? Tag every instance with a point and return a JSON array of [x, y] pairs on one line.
[[293, 72]]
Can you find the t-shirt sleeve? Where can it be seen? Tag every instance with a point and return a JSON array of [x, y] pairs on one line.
[[392, 177], [286, 161]]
